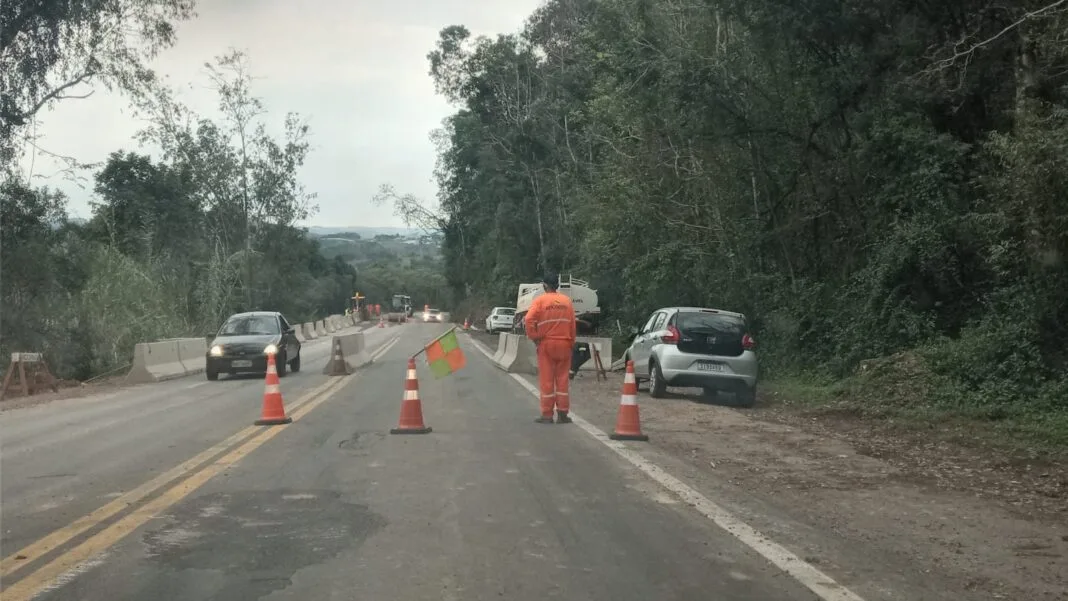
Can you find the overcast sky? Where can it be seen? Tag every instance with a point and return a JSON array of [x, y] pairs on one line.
[[356, 69]]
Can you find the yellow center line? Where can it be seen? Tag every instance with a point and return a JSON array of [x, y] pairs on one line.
[[29, 586]]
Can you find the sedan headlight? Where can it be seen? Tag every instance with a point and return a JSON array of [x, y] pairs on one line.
[[270, 349], [216, 351]]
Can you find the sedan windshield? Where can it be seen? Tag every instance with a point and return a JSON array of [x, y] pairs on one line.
[[250, 325]]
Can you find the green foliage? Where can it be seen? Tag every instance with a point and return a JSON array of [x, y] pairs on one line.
[[50, 50], [849, 175], [175, 246]]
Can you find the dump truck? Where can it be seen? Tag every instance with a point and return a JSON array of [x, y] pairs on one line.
[[582, 297], [401, 309]]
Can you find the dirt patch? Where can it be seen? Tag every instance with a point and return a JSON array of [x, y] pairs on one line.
[[890, 510], [68, 389]]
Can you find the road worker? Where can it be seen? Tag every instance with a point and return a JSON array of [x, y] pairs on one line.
[[550, 323]]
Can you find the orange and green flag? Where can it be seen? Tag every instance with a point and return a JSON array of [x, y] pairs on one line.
[[444, 355]]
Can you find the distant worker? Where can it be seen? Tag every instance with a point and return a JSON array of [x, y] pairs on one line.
[[550, 323]]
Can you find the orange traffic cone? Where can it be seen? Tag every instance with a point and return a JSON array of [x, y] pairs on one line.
[[467, 324], [411, 414], [628, 423], [274, 412], [381, 323]]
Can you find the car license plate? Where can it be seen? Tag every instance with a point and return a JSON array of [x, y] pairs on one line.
[[241, 363], [709, 367]]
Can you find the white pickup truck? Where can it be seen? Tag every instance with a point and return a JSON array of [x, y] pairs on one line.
[[582, 297]]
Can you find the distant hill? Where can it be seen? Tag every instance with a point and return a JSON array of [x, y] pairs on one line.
[[364, 232]]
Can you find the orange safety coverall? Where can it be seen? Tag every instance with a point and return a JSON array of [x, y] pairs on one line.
[[550, 323]]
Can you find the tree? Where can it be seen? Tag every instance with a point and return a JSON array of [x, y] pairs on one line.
[[860, 178], [51, 51]]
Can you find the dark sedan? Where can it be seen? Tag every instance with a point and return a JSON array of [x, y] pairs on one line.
[[244, 341]]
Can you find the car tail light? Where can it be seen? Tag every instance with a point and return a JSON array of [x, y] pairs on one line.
[[672, 337], [748, 343]]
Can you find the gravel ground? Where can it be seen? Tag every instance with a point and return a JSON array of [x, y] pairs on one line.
[[899, 510]]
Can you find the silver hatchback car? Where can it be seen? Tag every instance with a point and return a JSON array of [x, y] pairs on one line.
[[695, 347]]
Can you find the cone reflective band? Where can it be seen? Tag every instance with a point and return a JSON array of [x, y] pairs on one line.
[[274, 411], [628, 422], [411, 414]]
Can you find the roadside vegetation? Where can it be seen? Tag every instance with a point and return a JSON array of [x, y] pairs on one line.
[[176, 241], [882, 187]]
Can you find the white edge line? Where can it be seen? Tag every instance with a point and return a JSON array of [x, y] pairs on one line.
[[825, 587]]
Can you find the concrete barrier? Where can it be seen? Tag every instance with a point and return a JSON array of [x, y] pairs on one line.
[[328, 325], [309, 331], [502, 346], [155, 362], [192, 352], [354, 350], [520, 357], [320, 329], [604, 348], [298, 331]]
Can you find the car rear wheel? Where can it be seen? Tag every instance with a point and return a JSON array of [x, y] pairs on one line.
[[295, 363], [212, 374], [657, 385], [280, 367]]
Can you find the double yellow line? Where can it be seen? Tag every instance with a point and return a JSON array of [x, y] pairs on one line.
[[246, 441]]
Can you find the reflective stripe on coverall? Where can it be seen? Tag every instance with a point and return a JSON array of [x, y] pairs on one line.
[[550, 322]]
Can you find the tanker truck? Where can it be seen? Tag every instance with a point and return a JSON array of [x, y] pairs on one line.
[[582, 297]]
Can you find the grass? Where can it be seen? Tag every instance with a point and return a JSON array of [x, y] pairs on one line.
[[897, 395]]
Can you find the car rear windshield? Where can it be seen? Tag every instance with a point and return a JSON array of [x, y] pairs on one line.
[[505, 311], [435, 311], [710, 323], [250, 325]]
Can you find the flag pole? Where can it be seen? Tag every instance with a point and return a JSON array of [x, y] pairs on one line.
[[423, 350]]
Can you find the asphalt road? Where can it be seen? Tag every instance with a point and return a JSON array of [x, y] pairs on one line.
[[488, 506]]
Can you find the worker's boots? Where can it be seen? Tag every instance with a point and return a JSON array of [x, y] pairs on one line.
[[562, 418], [544, 419]]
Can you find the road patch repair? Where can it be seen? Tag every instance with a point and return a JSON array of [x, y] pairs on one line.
[[825, 587], [183, 480]]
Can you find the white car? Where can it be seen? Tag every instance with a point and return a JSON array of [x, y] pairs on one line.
[[500, 319]]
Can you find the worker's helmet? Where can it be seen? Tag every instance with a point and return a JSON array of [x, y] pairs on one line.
[[551, 281]]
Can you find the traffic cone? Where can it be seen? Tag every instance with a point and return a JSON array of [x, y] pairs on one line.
[[274, 412], [337, 366], [467, 324], [411, 414], [628, 423], [381, 323]]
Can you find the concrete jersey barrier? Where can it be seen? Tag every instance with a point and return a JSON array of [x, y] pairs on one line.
[[517, 354], [354, 350], [192, 352], [309, 331], [320, 329], [604, 348], [502, 346], [162, 360], [520, 356]]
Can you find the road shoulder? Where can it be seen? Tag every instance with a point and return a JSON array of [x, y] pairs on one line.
[[887, 529]]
